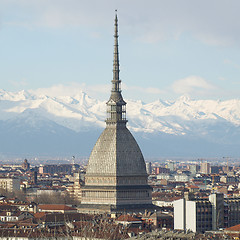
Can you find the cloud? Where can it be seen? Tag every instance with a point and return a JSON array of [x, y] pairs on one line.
[[55, 13], [215, 24], [148, 90], [229, 62], [157, 20], [101, 92], [72, 89], [58, 90], [193, 86]]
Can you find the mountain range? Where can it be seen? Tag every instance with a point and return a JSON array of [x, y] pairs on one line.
[[33, 124]]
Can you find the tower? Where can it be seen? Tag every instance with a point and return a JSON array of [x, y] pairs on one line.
[[205, 168], [116, 176], [25, 165]]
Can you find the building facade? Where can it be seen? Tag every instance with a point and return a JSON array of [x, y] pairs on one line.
[[62, 168], [116, 174], [231, 211], [193, 215], [205, 168], [9, 184], [200, 215], [149, 168]]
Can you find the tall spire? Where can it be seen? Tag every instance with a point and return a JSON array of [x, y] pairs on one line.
[[116, 106], [116, 81]]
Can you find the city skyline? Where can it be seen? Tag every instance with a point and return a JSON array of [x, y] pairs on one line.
[[167, 49]]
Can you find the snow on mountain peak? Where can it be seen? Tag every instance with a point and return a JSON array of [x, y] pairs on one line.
[[17, 96], [80, 112], [184, 98]]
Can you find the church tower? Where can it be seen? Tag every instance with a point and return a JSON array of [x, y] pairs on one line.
[[116, 176]]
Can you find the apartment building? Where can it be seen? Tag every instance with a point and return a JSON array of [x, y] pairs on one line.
[[9, 184], [212, 213]]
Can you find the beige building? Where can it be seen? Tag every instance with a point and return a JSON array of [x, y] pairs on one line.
[[9, 184], [75, 190], [205, 168]]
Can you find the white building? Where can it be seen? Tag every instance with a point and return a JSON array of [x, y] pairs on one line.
[[199, 215], [163, 203], [14, 216], [166, 176], [10, 184], [149, 168], [182, 178]]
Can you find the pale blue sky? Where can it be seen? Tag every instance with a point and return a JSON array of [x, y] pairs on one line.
[[167, 48]]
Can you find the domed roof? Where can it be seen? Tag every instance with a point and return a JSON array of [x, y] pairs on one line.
[[116, 153]]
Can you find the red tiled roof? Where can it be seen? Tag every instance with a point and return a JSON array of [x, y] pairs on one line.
[[59, 207], [193, 186], [127, 218], [234, 228], [39, 214]]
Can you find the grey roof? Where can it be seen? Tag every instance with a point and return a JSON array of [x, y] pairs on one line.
[[116, 153]]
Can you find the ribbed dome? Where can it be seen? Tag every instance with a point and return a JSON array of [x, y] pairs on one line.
[[116, 153]]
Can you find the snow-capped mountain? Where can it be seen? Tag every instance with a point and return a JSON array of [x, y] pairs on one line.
[[65, 124]]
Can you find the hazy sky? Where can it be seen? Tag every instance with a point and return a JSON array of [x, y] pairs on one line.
[[167, 48]]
